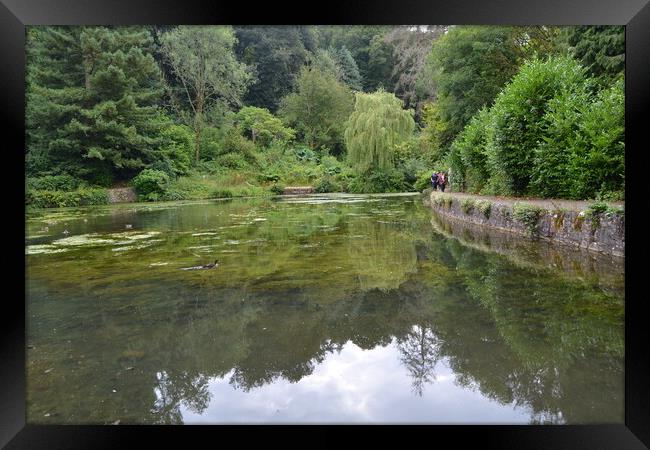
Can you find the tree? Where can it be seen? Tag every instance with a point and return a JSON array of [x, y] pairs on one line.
[[376, 125], [92, 101], [469, 66], [325, 61], [411, 46], [349, 70], [262, 126], [276, 55], [380, 64], [202, 59], [319, 109], [357, 39], [601, 49]]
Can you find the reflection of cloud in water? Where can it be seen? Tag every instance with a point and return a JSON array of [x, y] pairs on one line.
[[354, 385]]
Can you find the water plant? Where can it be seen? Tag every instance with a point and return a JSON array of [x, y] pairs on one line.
[[558, 218], [485, 206], [528, 215], [467, 205]]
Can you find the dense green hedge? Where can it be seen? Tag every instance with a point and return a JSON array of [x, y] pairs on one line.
[[550, 133]]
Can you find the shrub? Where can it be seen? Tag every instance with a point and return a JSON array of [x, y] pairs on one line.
[[176, 151], [60, 199], [236, 143], [596, 210], [423, 181], [222, 193], [266, 177], [467, 205], [305, 154], [485, 206], [54, 183], [276, 189], [528, 215], [327, 184], [518, 114], [262, 126], [235, 161], [150, 184], [597, 163], [378, 181], [469, 159]]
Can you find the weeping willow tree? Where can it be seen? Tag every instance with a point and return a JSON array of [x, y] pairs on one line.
[[377, 124]]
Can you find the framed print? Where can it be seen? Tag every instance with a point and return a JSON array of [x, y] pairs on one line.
[[374, 214]]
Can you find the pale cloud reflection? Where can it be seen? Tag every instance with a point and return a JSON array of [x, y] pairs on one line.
[[355, 385]]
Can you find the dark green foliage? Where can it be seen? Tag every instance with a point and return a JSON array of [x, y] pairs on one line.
[[262, 127], [327, 184], [96, 112], [552, 157], [468, 157], [391, 180], [305, 154], [318, 109], [54, 183], [176, 148], [470, 65], [597, 164], [235, 143], [349, 70], [601, 49], [277, 189], [547, 135], [518, 117], [233, 161], [380, 64], [371, 53], [276, 53], [150, 184]]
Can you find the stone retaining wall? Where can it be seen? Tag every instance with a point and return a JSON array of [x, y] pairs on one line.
[[604, 232], [292, 190], [121, 195]]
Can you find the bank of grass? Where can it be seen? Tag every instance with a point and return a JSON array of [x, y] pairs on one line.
[[198, 186]]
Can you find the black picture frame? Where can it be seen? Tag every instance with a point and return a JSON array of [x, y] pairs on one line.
[[634, 14]]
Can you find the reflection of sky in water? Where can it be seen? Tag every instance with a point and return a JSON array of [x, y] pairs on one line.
[[117, 331], [354, 385]]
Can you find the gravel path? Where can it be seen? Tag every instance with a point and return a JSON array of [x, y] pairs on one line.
[[549, 204]]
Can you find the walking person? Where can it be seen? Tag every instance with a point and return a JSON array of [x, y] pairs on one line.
[[434, 181], [441, 181]]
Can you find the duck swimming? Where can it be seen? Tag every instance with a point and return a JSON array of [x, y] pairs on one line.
[[213, 265]]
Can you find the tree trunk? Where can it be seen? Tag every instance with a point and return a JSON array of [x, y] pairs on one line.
[[198, 125]]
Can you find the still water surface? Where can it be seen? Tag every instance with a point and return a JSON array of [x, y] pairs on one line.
[[324, 309]]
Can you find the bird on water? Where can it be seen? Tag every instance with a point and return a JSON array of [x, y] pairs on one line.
[[213, 265]]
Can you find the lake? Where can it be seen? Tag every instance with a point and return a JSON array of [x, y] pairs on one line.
[[323, 309]]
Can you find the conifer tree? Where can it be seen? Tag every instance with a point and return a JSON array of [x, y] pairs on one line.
[[349, 70], [92, 96]]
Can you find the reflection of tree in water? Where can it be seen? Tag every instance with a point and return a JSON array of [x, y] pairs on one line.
[[382, 257], [188, 389], [250, 374], [419, 351], [520, 337]]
